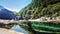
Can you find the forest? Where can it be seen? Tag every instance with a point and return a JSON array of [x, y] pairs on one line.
[[41, 8]]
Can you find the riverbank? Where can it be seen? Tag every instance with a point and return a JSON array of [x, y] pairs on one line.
[[26, 25], [7, 31]]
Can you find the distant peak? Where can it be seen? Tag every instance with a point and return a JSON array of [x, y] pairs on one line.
[[1, 6]]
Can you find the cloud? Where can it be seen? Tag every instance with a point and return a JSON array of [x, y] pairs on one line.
[[9, 9]]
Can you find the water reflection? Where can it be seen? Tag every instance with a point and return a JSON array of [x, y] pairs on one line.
[[18, 29]]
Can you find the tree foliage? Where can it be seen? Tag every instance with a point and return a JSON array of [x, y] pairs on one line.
[[39, 8]]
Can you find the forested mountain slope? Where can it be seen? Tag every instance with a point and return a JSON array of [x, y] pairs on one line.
[[39, 8]]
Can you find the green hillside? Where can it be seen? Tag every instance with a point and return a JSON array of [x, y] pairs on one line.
[[39, 8]]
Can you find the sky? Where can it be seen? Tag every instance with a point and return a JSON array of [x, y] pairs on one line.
[[15, 5]]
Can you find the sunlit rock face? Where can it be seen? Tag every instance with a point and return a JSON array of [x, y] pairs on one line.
[[6, 14]]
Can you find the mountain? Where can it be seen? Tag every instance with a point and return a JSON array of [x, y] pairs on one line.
[[41, 8], [6, 14]]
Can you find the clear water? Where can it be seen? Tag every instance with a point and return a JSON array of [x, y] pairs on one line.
[[19, 29]]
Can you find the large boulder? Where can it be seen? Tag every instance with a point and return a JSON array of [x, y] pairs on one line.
[[6, 14]]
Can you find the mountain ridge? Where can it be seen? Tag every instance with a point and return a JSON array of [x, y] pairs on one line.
[[6, 14]]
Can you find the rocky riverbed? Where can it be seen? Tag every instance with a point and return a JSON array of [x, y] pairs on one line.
[[7, 31]]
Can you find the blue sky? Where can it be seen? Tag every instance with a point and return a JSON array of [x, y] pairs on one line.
[[15, 5]]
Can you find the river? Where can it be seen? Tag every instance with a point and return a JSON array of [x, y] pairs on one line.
[[19, 29]]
